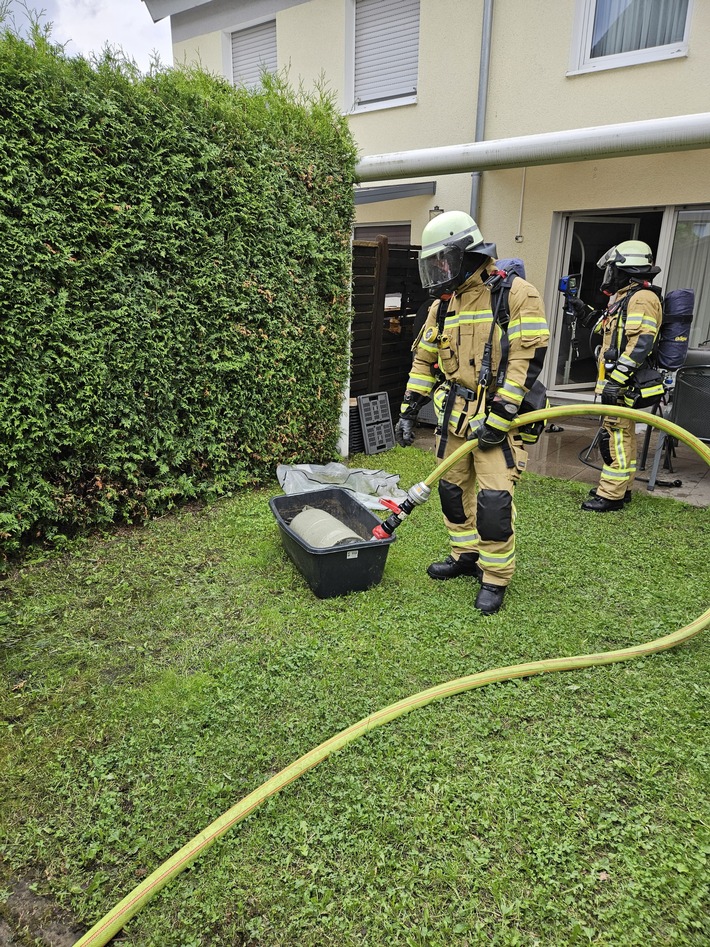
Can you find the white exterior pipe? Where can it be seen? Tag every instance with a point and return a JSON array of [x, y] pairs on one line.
[[652, 136]]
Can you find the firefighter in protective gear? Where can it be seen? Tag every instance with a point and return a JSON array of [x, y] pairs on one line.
[[488, 366], [629, 327]]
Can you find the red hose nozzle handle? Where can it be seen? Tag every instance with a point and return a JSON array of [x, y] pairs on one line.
[[391, 505], [386, 529]]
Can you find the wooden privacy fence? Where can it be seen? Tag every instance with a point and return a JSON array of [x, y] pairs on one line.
[[386, 294]]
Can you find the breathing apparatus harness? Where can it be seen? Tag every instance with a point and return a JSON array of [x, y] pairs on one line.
[[499, 283], [495, 283], [646, 384]]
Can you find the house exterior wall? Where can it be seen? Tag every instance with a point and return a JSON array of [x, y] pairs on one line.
[[536, 95], [315, 40], [614, 183], [531, 90], [528, 92]]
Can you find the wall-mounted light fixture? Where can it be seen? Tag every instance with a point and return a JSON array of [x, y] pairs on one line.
[[435, 211]]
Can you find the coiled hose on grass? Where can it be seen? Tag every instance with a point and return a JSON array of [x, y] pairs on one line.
[[119, 915]]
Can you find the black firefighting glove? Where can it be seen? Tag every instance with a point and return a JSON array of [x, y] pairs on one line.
[[489, 437], [501, 414], [579, 308], [404, 432], [611, 392], [582, 312], [408, 413]]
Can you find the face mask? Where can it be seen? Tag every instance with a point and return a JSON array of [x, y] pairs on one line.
[[613, 279]]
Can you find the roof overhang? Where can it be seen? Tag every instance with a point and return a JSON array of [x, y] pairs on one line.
[[159, 9], [652, 136], [393, 192]]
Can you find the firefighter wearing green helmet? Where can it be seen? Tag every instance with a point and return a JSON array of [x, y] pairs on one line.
[[629, 327], [489, 363]]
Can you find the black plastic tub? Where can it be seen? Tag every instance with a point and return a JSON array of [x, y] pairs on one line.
[[334, 570]]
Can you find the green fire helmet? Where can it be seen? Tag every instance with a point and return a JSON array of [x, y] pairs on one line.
[[628, 259], [445, 240]]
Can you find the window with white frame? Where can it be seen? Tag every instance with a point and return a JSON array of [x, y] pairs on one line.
[[613, 33], [386, 53], [690, 266], [253, 52]]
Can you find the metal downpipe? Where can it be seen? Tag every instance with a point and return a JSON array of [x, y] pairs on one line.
[[109, 925], [482, 99]]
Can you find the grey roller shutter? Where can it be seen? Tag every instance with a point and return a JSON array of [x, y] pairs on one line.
[[386, 49], [400, 234], [253, 50]]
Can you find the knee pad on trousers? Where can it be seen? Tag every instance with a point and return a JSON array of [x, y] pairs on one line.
[[451, 496], [604, 449], [495, 515]]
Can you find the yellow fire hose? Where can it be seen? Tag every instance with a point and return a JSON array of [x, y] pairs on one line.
[[119, 915]]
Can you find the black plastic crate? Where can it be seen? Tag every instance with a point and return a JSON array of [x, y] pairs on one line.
[[376, 420], [356, 442], [335, 570]]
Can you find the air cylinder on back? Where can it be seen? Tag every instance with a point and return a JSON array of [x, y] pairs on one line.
[[673, 339]]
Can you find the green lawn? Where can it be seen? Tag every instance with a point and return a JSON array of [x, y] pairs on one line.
[[153, 678]]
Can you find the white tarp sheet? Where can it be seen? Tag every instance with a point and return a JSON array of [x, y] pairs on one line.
[[366, 485]]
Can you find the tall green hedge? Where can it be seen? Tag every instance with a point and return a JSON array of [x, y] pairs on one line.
[[174, 286]]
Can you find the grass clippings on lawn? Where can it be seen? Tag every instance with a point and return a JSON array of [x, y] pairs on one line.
[[153, 678]]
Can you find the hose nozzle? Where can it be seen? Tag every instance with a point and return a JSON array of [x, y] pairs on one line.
[[417, 495], [399, 513]]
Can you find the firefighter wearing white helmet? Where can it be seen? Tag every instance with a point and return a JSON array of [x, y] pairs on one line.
[[488, 364], [629, 327]]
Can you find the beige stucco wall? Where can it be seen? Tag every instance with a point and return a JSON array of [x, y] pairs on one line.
[[205, 51], [311, 38], [312, 46], [623, 183], [529, 92]]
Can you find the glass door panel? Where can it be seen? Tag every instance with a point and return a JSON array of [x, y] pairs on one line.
[[690, 267], [588, 239]]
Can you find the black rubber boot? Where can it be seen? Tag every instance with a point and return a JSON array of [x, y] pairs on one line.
[[597, 504], [627, 495], [490, 598], [450, 568]]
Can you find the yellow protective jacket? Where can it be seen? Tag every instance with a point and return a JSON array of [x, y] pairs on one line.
[[629, 328], [458, 350]]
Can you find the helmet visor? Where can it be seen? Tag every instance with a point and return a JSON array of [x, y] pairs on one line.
[[610, 257], [440, 267]]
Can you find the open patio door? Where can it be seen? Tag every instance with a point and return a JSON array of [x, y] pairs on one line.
[[572, 346]]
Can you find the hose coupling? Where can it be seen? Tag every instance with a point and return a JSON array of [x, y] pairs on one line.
[[419, 493]]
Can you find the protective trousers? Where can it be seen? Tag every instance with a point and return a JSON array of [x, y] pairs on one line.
[[477, 502], [619, 467]]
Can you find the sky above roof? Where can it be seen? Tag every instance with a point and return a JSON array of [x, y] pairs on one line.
[[85, 26]]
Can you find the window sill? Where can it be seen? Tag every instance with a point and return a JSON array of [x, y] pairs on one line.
[[379, 106], [636, 58]]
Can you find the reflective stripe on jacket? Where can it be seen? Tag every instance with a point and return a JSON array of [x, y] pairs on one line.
[[634, 337], [459, 346]]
